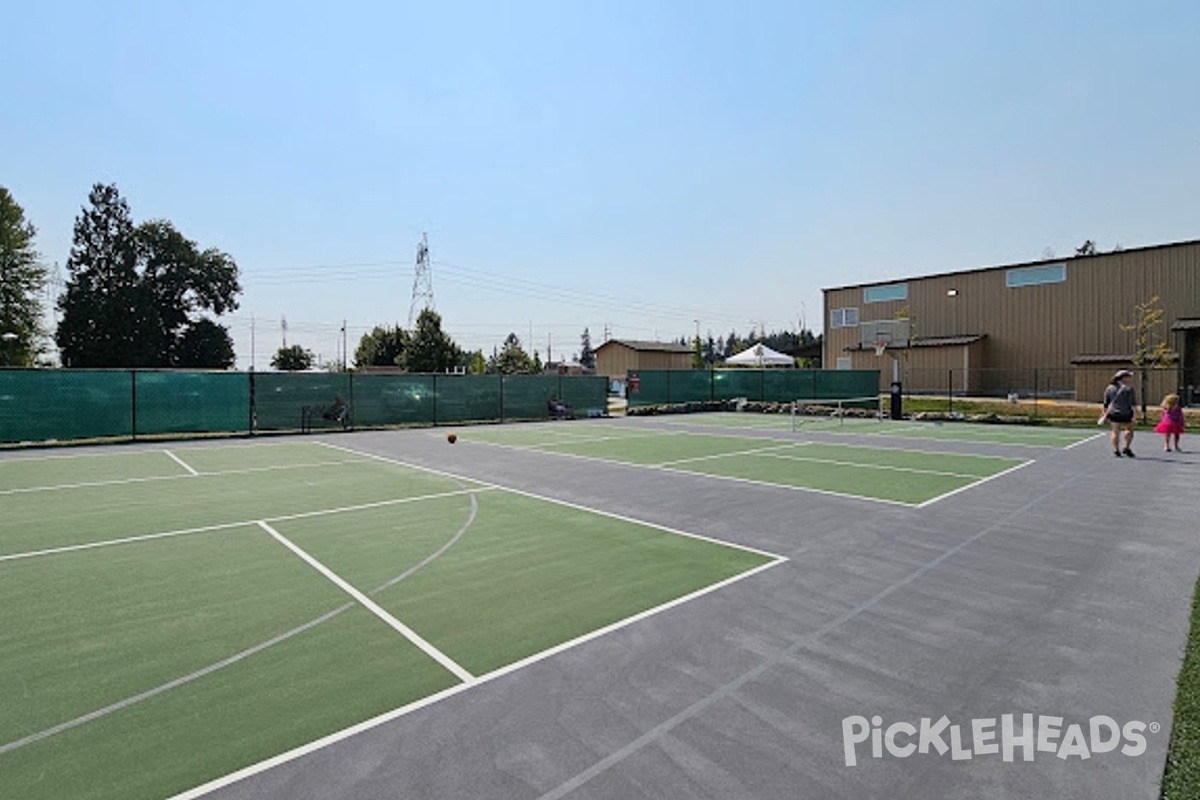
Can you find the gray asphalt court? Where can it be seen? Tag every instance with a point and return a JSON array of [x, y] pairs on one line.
[[1042, 614]]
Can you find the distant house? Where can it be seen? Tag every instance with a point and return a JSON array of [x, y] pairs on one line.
[[617, 357]]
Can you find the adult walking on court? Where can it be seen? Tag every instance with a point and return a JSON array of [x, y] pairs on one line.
[[1120, 404]]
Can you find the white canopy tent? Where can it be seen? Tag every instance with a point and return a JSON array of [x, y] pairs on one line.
[[760, 355]]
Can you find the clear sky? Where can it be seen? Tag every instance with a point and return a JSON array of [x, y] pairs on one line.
[[645, 165]]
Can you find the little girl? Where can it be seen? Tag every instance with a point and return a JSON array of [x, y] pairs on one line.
[[1171, 423]]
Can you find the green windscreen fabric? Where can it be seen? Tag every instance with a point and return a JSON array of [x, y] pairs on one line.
[[657, 387], [653, 388], [54, 404], [192, 402], [528, 396], [468, 398], [393, 400], [843, 383], [279, 397], [730, 384], [584, 393]]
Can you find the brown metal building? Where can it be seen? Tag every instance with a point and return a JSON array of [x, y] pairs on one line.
[[616, 357], [1051, 326]]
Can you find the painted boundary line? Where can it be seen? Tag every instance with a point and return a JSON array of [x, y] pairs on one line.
[[239, 524], [181, 462], [783, 655], [874, 430], [374, 722], [193, 474], [753, 451], [19, 455], [556, 501], [972, 485], [1091, 438], [690, 473], [244, 654], [835, 462], [370, 605]]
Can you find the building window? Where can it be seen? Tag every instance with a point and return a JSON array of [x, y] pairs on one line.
[[843, 362], [843, 318], [1033, 276], [881, 294]]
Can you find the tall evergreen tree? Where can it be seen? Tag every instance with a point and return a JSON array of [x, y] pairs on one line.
[[429, 348], [512, 359], [587, 356], [21, 278], [101, 306]]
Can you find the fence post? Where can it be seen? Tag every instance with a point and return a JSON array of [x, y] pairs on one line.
[[1035, 393], [950, 392], [253, 421], [133, 404], [435, 400], [350, 375]]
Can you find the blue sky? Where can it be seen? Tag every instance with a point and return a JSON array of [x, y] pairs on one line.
[[639, 165]]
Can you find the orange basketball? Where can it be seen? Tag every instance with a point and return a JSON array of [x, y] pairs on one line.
[[452, 438]]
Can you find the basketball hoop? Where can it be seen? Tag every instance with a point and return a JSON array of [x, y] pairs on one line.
[[880, 346]]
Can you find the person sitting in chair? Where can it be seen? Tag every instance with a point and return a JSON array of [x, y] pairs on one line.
[[338, 411], [557, 409]]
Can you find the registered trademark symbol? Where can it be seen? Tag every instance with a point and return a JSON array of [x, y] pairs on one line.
[[1155, 727]]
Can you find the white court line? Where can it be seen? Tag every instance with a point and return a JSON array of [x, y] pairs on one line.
[[565, 503], [941, 497], [244, 654], [148, 478], [372, 606], [374, 722], [227, 525], [873, 466], [672, 471], [726, 455], [1091, 438], [18, 455], [181, 462]]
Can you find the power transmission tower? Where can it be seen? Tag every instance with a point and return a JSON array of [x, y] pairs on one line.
[[422, 291]]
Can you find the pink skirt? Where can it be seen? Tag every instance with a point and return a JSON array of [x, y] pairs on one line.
[[1165, 425]]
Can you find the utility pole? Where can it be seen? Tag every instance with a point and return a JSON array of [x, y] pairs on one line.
[[345, 353], [283, 328], [422, 291], [252, 343]]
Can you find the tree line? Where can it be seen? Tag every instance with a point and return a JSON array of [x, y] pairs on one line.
[[145, 295]]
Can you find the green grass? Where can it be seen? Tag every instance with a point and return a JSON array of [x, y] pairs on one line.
[[1181, 780], [151, 625]]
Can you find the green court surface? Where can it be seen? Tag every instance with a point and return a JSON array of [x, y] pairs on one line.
[[909, 477], [215, 607], [910, 429]]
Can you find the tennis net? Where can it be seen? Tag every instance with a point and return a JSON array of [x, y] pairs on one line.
[[839, 409]]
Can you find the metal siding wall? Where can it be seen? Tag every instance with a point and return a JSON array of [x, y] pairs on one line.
[[1036, 326]]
